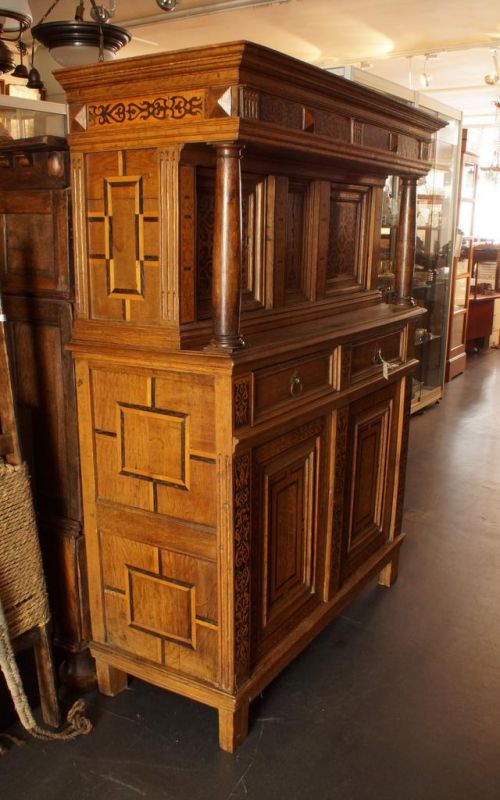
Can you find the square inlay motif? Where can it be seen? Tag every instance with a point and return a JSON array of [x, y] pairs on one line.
[[154, 444]]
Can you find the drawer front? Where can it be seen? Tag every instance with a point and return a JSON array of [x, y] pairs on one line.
[[286, 384], [366, 356]]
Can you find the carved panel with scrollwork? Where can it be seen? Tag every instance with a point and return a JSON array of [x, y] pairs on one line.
[[242, 553], [140, 110]]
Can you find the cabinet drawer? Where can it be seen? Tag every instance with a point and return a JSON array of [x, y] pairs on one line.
[[365, 356], [287, 383]]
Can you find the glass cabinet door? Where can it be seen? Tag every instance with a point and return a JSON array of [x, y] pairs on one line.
[[436, 202]]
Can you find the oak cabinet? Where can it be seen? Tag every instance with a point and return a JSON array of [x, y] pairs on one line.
[[243, 390], [36, 274]]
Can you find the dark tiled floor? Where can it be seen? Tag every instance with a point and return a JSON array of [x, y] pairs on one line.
[[398, 699]]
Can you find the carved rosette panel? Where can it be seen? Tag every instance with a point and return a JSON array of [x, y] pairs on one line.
[[241, 401], [242, 554], [342, 427], [139, 110]]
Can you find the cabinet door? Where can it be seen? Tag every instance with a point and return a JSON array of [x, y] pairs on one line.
[[289, 490], [370, 470]]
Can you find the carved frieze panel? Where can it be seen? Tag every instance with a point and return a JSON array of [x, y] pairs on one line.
[[333, 125], [376, 137], [408, 147], [280, 111], [175, 108]]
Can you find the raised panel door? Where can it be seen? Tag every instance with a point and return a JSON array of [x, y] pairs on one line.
[[370, 470], [288, 485]]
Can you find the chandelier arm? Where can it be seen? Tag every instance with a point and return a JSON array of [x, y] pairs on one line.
[[49, 11]]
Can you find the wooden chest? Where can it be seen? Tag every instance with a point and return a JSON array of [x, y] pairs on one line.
[[243, 392]]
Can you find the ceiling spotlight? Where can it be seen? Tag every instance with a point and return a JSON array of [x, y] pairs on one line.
[[493, 77], [167, 5]]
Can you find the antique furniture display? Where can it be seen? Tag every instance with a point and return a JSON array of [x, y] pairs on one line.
[[37, 280], [484, 296], [462, 263], [243, 400], [435, 226]]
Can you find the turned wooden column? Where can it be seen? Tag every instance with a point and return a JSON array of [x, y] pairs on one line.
[[226, 277], [406, 241]]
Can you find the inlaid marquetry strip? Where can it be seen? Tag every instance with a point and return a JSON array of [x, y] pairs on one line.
[[242, 553], [80, 233], [169, 231], [152, 110]]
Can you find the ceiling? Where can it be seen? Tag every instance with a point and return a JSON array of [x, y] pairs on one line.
[[333, 32]]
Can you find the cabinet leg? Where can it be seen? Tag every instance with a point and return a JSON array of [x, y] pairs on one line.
[[233, 727], [111, 681], [46, 679], [78, 671], [389, 574]]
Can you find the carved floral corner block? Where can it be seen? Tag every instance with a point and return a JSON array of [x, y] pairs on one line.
[[242, 390]]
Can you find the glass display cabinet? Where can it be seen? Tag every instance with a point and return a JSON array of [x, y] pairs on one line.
[[435, 235], [462, 263]]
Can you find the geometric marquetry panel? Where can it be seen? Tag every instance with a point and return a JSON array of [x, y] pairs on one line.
[[161, 605], [123, 235], [155, 442]]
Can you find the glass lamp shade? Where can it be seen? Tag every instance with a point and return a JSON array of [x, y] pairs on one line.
[[75, 43], [15, 16]]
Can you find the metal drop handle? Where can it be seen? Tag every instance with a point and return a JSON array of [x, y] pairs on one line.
[[296, 385]]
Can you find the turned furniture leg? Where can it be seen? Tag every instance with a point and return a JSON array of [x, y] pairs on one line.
[[233, 727], [46, 678], [111, 681], [389, 574]]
